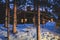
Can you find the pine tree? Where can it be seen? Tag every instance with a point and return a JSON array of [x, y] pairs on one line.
[[38, 24], [15, 17]]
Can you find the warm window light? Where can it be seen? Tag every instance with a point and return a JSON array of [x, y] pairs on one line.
[[33, 19], [22, 20], [52, 20], [25, 20]]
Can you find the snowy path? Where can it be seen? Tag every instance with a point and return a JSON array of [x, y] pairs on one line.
[[28, 32]]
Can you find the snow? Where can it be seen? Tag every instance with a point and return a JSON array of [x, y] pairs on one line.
[[28, 32]]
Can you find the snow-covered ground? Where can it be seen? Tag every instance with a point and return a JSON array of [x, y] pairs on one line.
[[28, 32]]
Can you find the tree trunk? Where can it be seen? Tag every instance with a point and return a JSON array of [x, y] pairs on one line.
[[15, 18], [7, 19], [6, 15], [38, 25], [34, 19], [8, 24]]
